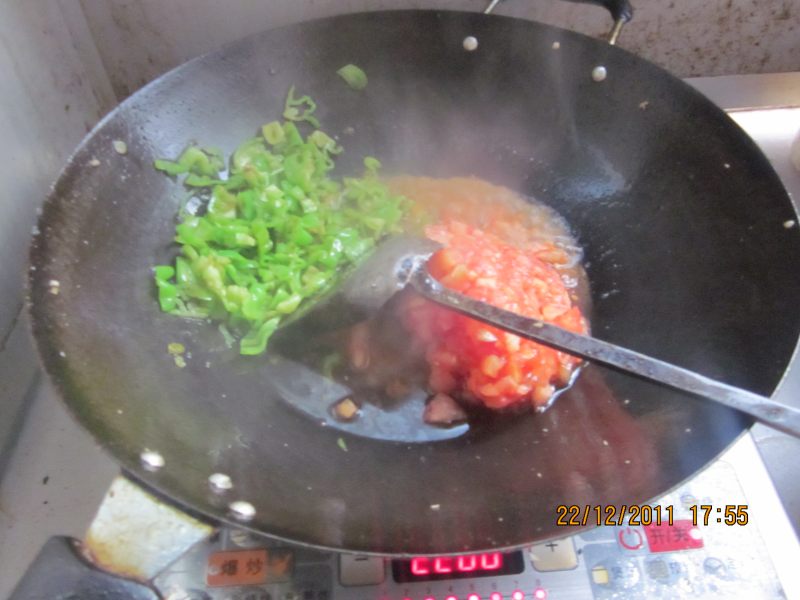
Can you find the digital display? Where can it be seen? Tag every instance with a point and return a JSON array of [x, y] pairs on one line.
[[435, 568]]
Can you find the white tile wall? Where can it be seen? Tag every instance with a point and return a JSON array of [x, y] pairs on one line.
[[53, 88]]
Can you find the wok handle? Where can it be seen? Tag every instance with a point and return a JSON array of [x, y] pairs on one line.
[[621, 11], [764, 410], [59, 571]]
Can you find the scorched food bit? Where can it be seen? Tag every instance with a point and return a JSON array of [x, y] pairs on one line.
[[443, 410]]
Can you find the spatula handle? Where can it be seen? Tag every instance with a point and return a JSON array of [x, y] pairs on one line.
[[773, 414]]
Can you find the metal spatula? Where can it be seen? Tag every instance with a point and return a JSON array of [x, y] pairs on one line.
[[401, 261]]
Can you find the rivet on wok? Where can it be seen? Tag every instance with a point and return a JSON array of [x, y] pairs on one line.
[[241, 510], [599, 73], [151, 460], [470, 43], [219, 482]]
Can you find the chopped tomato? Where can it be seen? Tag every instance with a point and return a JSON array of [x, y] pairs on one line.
[[473, 360]]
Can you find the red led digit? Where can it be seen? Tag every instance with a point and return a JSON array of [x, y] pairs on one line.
[[496, 596], [491, 562], [429, 598], [540, 594], [451, 598], [419, 566], [442, 564], [465, 564], [517, 595], [473, 597]]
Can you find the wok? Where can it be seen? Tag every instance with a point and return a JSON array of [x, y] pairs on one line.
[[680, 215]]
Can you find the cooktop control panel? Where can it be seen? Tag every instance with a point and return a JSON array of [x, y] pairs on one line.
[[702, 546]]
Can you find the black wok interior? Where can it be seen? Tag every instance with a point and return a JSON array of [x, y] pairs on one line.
[[680, 215]]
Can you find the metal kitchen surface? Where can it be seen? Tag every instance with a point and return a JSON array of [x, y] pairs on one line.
[[57, 478]]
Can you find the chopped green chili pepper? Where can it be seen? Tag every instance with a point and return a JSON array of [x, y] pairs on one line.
[[354, 76], [300, 109], [273, 133], [167, 292], [324, 142], [255, 342], [176, 348], [275, 234], [198, 161], [371, 164]]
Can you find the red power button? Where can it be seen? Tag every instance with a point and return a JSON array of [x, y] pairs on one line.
[[680, 535], [630, 538]]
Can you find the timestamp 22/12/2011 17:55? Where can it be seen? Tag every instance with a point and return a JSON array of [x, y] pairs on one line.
[[573, 515]]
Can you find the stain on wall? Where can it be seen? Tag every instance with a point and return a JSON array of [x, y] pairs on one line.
[[140, 39]]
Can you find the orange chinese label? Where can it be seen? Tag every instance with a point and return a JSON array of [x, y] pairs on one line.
[[243, 567]]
